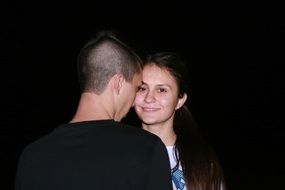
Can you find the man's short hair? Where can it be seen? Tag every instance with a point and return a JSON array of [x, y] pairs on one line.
[[103, 57]]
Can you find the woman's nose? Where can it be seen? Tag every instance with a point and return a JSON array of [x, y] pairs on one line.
[[149, 98]]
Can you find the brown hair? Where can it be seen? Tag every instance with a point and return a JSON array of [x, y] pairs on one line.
[[103, 57], [201, 168]]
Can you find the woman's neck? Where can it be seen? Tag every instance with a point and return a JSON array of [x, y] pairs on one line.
[[164, 131]]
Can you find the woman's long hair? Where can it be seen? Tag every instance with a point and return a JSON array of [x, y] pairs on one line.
[[201, 168]]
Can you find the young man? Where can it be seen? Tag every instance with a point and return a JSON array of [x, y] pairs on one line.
[[94, 150]]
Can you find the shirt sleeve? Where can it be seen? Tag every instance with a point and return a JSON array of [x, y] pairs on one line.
[[18, 177], [159, 174]]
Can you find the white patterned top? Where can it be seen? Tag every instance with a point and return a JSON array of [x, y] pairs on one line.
[[178, 181]]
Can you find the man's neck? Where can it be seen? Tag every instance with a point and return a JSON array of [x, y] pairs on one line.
[[92, 107]]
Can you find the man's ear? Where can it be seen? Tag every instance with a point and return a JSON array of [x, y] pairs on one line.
[[117, 83], [181, 101]]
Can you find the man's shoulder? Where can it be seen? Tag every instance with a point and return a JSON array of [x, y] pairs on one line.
[[134, 130], [92, 133], [35, 146], [130, 134]]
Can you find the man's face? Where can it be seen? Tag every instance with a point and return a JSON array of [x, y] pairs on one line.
[[128, 94]]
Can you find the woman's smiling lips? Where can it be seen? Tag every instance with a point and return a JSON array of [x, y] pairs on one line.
[[149, 109]]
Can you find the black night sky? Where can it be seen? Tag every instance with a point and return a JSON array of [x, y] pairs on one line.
[[234, 54]]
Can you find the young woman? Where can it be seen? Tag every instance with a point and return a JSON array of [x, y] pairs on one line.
[[160, 104]]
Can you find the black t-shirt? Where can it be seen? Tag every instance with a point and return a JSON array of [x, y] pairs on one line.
[[101, 154]]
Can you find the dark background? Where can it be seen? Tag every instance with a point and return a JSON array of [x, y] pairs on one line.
[[234, 53]]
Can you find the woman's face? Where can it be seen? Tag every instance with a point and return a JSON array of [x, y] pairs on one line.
[[157, 98]]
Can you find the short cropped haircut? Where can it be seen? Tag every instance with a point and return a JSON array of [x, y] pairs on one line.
[[103, 57]]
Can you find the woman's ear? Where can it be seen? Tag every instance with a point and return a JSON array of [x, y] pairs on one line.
[[181, 101]]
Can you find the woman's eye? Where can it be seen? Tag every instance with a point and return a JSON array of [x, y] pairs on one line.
[[141, 88], [162, 90]]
